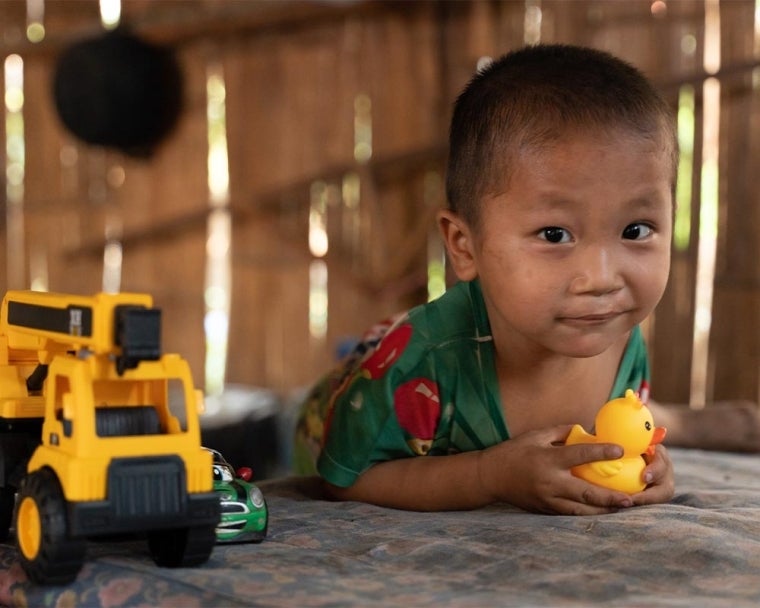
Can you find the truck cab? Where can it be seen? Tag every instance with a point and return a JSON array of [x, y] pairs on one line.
[[117, 433]]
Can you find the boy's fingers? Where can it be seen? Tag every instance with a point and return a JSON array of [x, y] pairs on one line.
[[570, 507], [593, 501], [601, 497], [590, 452], [556, 435], [654, 494], [580, 453]]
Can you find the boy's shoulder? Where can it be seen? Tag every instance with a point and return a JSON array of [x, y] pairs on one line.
[[459, 313], [421, 335]]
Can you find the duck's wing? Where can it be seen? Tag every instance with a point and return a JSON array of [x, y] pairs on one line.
[[606, 468]]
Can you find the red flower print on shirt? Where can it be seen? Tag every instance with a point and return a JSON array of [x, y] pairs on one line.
[[418, 409], [388, 351]]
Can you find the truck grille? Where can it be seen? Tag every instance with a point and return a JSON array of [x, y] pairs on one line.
[[151, 486]]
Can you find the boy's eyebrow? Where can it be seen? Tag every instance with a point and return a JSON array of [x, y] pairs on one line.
[[645, 201]]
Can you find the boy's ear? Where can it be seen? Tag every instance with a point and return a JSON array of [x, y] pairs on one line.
[[457, 236]]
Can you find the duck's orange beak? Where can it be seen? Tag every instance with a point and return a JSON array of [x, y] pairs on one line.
[[657, 437]]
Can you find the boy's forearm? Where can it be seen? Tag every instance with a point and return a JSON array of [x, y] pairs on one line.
[[428, 483], [730, 425]]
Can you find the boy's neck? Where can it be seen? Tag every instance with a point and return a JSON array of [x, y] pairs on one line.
[[550, 389]]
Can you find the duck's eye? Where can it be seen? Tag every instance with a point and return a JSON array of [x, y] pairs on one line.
[[648, 425]]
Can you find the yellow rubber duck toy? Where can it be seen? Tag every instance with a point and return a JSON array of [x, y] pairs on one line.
[[627, 422]]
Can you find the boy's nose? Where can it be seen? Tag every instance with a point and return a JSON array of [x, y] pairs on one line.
[[596, 272]]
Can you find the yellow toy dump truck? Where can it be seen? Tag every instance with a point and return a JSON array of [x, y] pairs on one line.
[[99, 433]]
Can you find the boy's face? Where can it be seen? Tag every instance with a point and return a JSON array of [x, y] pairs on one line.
[[576, 250]]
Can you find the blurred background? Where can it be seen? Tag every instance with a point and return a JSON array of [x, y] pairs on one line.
[[269, 171]]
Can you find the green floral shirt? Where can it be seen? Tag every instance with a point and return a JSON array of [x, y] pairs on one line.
[[423, 383]]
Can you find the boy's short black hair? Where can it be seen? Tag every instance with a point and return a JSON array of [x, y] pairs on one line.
[[532, 97]]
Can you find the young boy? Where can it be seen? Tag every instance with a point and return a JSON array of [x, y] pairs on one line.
[[560, 187]]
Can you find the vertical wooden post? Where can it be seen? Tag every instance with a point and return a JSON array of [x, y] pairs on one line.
[[735, 336]]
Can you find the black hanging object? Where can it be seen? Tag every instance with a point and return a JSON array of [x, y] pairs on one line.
[[118, 91]]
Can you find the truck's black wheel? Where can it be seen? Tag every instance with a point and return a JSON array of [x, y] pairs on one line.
[[182, 547], [48, 554], [7, 502]]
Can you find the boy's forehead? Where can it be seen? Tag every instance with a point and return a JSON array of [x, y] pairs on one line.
[[571, 142], [584, 160], [571, 145]]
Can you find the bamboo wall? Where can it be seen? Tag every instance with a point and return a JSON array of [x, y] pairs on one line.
[[304, 83]]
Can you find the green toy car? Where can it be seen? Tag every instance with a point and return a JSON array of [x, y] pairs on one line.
[[244, 510]]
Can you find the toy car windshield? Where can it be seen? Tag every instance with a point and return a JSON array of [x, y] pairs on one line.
[[223, 472]]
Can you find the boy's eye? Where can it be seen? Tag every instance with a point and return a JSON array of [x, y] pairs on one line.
[[636, 231], [554, 234]]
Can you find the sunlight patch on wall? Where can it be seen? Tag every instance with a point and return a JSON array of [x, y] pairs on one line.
[[110, 13], [436, 268], [350, 195], [658, 8], [532, 22], [362, 128], [112, 263], [318, 242], [218, 235], [756, 71], [113, 258], [682, 226], [483, 62], [318, 300], [708, 217], [436, 253], [14, 169], [318, 247], [35, 17], [38, 269]]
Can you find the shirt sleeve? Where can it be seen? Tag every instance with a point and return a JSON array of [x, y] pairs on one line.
[[387, 408]]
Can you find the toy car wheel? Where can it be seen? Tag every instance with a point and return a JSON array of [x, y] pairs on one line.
[[181, 547], [48, 554], [7, 502]]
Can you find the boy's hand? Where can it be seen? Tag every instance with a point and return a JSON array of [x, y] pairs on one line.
[[532, 471], [658, 476]]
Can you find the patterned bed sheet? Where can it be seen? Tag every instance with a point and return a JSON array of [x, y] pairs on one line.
[[701, 549]]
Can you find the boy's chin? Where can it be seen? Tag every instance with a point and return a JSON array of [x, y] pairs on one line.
[[583, 348], [584, 342]]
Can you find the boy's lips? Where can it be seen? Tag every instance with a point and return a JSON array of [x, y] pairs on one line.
[[596, 318]]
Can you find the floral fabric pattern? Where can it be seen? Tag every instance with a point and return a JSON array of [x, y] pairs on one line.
[[701, 549]]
